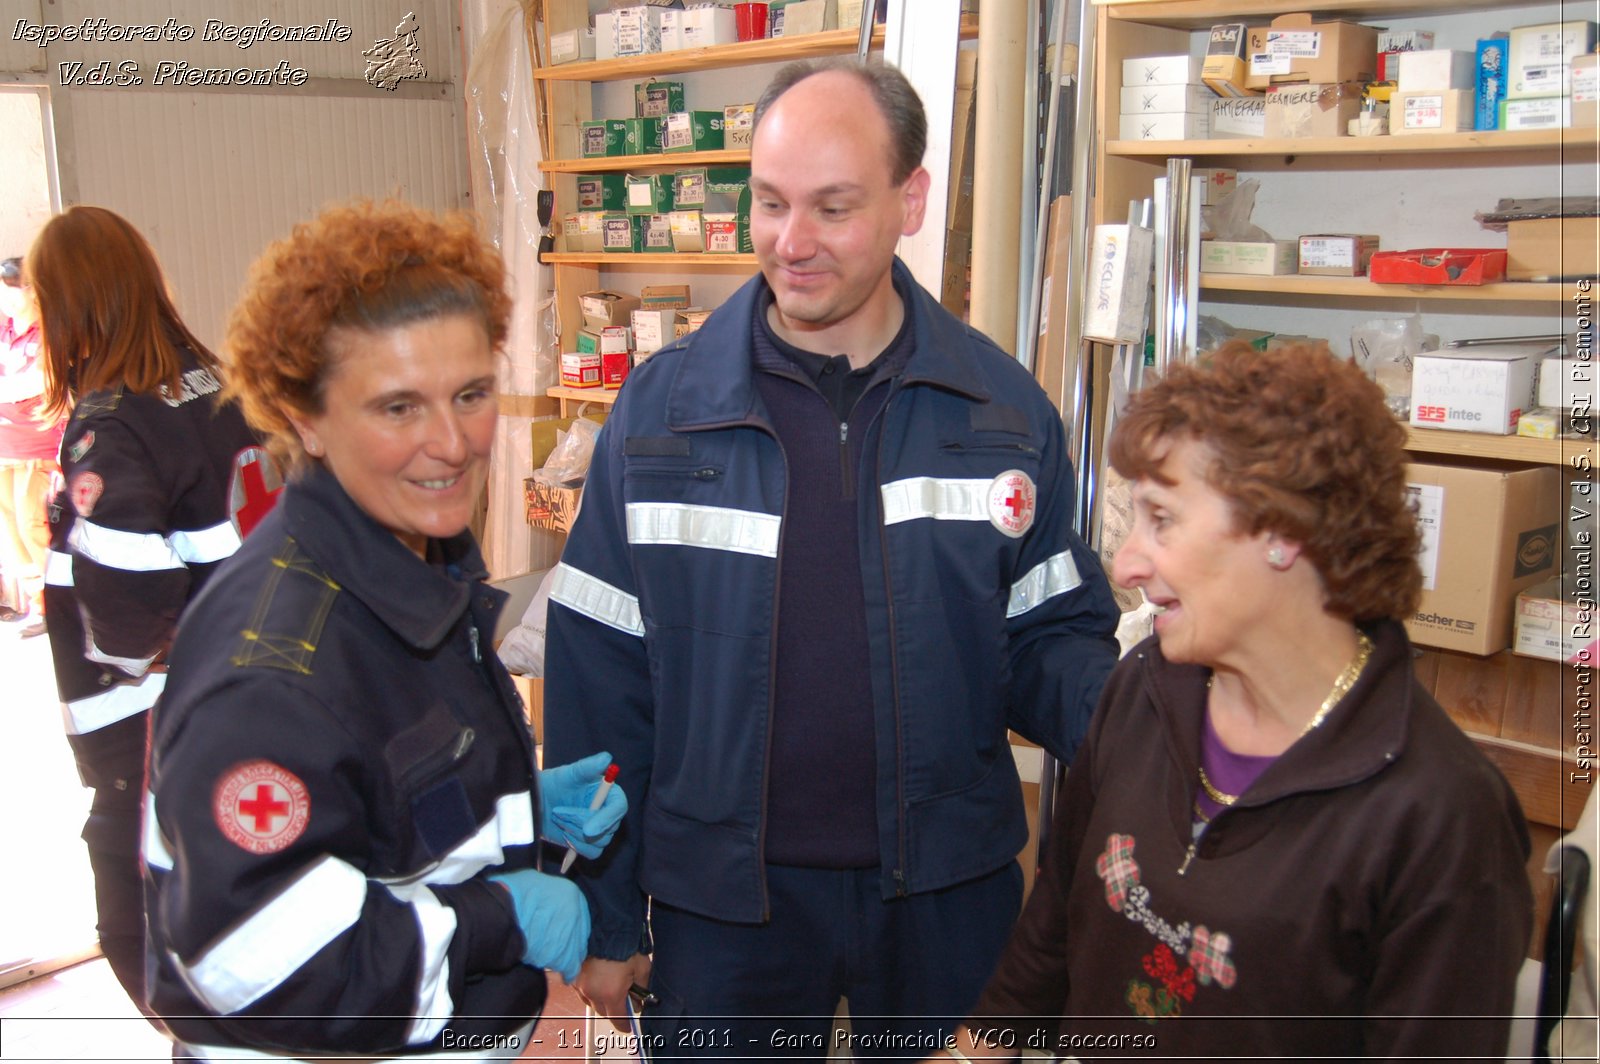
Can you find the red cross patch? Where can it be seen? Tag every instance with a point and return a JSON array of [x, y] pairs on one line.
[[85, 490], [253, 488], [1011, 502], [261, 807]]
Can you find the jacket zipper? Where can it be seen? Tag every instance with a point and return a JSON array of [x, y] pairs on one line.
[[901, 888]]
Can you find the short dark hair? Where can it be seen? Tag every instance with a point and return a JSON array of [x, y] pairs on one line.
[[897, 101], [1302, 445], [11, 272]]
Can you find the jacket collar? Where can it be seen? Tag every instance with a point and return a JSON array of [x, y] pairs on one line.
[[1357, 740], [421, 601], [714, 383]]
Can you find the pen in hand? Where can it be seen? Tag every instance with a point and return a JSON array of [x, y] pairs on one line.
[[600, 793]]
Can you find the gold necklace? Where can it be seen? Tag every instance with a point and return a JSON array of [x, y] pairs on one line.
[[1341, 687]]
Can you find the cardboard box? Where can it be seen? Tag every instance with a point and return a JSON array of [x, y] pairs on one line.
[[1166, 99], [1336, 254], [614, 367], [1258, 258], [664, 297], [604, 307], [1404, 41], [550, 506], [738, 125], [1442, 266], [652, 330], [1050, 359], [622, 233], [636, 30], [605, 35], [607, 136], [1565, 383], [1241, 117], [1491, 59], [571, 46], [671, 30], [1178, 125], [705, 26], [649, 193], [1550, 249], [615, 340], [794, 18], [585, 231], [1312, 110], [1586, 91], [1224, 69], [1539, 57], [1474, 389], [1487, 534], [1540, 423], [687, 234], [588, 342], [1295, 50], [1437, 68], [1545, 112], [641, 136], [602, 192], [580, 369], [721, 232], [687, 321], [1552, 628], [1162, 70], [850, 14], [1115, 307], [1216, 182], [692, 131], [658, 233], [1436, 111], [657, 99]]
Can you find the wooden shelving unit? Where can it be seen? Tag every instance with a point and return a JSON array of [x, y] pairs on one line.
[[1476, 445], [685, 259], [1406, 144], [632, 163], [1361, 288], [573, 398]]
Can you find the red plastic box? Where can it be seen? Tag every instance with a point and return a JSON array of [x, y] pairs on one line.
[[1467, 266]]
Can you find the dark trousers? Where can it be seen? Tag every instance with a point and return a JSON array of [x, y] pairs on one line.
[[112, 836], [910, 968]]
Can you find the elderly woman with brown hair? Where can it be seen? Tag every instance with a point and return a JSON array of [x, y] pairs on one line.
[[342, 849], [1274, 843]]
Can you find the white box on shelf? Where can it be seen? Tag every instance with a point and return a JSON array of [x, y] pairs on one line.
[[705, 26], [1437, 68], [1166, 99], [637, 30], [1118, 293], [1179, 125], [1538, 60], [605, 35], [1567, 383], [1162, 70], [1474, 389], [671, 30], [1543, 112], [1435, 111], [571, 46]]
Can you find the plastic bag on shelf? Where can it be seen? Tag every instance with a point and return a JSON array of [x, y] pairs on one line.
[[1384, 348], [1229, 217], [568, 464]]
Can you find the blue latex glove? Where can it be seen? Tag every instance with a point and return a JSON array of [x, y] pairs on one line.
[[564, 814], [554, 916]]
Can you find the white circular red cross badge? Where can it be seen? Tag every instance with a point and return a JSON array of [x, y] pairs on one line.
[[261, 807], [1011, 502]]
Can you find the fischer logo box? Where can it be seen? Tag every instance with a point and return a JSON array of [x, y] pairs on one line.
[[1477, 389]]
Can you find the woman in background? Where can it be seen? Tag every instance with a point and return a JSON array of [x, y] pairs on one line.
[[343, 846], [1274, 843], [29, 443], [148, 460]]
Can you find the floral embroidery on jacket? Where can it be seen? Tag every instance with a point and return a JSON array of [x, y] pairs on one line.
[[1208, 952]]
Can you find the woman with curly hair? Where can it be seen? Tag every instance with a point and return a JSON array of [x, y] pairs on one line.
[[341, 854], [1274, 843]]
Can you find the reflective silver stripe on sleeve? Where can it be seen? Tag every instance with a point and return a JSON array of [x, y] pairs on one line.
[[204, 545], [1054, 576], [712, 527], [279, 938], [154, 851], [436, 926], [139, 552], [132, 666], [936, 498], [58, 569], [511, 825], [115, 703], [596, 599]]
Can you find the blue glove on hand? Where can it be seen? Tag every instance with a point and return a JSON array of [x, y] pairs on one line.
[[564, 797], [554, 916]]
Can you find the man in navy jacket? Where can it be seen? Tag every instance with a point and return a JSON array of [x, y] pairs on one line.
[[825, 559]]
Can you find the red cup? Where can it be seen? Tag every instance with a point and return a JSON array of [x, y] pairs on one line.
[[751, 20]]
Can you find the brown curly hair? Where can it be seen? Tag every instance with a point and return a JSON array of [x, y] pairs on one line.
[[1301, 445], [364, 266]]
